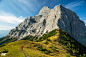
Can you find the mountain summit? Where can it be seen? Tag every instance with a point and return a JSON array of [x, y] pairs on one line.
[[50, 19]]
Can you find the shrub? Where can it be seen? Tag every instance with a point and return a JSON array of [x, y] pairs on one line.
[[5, 51], [68, 55], [46, 42], [80, 55], [39, 46], [53, 48], [48, 39], [43, 49], [84, 55], [2, 45], [47, 52]]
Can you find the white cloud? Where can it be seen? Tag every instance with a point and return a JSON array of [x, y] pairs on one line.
[[5, 27], [74, 4], [10, 18]]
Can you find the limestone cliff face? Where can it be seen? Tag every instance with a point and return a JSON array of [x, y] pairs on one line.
[[50, 19]]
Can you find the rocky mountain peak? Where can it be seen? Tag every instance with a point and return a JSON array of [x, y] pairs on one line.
[[44, 11], [45, 7], [50, 19]]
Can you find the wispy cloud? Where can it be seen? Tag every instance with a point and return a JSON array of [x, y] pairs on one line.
[[74, 4], [5, 27], [33, 5], [10, 18], [29, 4], [22, 6]]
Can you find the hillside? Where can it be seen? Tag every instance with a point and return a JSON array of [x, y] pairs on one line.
[[56, 43], [7, 39]]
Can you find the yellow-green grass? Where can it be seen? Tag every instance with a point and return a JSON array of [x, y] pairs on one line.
[[56, 48], [51, 44], [13, 49]]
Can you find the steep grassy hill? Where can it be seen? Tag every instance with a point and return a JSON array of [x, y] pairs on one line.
[[56, 43]]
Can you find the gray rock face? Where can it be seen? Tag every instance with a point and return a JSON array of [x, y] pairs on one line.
[[50, 19]]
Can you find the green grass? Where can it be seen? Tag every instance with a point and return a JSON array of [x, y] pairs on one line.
[[56, 43], [13, 49]]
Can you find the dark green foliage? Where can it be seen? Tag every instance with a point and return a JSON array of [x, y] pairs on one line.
[[71, 43], [48, 39], [5, 51], [68, 55], [39, 47], [47, 52], [1, 38], [53, 48], [45, 36], [2, 45], [14, 39], [6, 40], [30, 38], [46, 42]]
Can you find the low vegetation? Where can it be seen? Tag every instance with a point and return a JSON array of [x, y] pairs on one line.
[[30, 38], [56, 43], [77, 48], [7, 39], [5, 51], [45, 36], [39, 47]]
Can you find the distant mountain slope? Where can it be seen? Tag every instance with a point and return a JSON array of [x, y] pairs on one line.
[[6, 39], [50, 19], [56, 43], [3, 33]]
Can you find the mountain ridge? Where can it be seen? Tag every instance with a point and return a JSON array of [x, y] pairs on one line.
[[50, 19]]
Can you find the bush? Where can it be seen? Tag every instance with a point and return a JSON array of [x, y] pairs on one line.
[[47, 52], [54, 48], [43, 49], [2, 45], [67, 55], [5, 51], [48, 39], [46, 42]]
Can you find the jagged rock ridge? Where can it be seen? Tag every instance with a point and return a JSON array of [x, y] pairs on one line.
[[50, 19]]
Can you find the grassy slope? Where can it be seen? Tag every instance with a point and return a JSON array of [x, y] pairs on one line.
[[54, 44], [13, 49], [6, 39]]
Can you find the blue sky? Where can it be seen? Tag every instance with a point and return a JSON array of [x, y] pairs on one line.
[[13, 12]]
